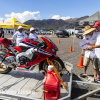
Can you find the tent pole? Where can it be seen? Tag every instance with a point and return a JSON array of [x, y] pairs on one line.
[[14, 30], [74, 39]]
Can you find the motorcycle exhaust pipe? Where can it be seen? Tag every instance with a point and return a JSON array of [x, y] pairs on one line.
[[6, 63]]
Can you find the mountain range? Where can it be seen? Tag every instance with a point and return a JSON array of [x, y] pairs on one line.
[[53, 23]]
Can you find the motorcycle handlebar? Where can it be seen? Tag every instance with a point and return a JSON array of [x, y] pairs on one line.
[[40, 44]]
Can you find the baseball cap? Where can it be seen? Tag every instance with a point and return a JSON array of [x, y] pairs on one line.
[[31, 29], [20, 27], [96, 24]]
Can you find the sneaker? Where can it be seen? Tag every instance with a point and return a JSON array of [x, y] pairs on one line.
[[95, 80], [98, 78]]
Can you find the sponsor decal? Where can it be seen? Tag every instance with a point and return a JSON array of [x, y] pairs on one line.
[[11, 25], [18, 22], [81, 23], [87, 38], [9, 22], [91, 22]]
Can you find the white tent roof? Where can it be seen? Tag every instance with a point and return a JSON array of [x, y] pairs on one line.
[[94, 17]]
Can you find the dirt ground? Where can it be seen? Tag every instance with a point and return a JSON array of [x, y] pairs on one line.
[[73, 57]]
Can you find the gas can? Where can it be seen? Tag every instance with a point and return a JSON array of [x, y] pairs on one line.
[[52, 86]]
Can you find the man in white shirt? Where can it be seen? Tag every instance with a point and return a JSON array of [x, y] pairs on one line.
[[89, 55], [33, 35], [97, 51], [19, 35]]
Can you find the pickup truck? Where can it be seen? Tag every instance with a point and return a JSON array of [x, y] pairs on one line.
[[80, 34]]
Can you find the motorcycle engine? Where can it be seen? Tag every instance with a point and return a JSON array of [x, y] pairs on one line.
[[23, 60], [24, 57]]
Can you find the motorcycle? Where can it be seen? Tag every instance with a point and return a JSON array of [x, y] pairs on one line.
[[29, 54]]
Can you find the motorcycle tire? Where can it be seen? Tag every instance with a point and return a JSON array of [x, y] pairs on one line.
[[58, 63], [7, 69]]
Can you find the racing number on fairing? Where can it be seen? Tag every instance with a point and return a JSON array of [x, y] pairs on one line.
[[42, 56]]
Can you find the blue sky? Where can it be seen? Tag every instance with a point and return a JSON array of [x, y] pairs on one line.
[[25, 10]]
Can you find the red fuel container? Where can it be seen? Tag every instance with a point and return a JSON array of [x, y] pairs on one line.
[[52, 86]]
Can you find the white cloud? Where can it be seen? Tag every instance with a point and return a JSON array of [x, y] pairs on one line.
[[22, 17], [1, 20], [39, 16], [58, 17]]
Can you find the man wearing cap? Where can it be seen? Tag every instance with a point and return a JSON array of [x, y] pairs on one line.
[[89, 55], [97, 50], [19, 35], [33, 35]]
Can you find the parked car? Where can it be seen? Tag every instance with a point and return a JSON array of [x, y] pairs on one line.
[[48, 33], [80, 34], [74, 31], [61, 33], [69, 32]]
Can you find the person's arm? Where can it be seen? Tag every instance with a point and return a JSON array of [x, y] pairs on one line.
[[2, 34], [24, 35], [14, 36], [92, 44], [92, 47], [37, 37], [82, 52]]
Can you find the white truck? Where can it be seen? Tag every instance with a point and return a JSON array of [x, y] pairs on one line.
[[72, 31]]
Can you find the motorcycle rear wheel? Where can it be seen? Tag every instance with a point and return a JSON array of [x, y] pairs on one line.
[[58, 63], [3, 67]]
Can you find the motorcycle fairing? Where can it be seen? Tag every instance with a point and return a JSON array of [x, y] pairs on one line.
[[53, 44], [38, 59], [42, 55], [30, 42], [6, 42], [44, 52]]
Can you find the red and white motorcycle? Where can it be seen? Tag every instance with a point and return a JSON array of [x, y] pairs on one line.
[[29, 54]]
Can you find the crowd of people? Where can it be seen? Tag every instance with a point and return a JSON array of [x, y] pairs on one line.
[[20, 35], [92, 52]]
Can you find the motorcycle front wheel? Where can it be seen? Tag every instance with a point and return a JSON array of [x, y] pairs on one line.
[[58, 63], [3, 67]]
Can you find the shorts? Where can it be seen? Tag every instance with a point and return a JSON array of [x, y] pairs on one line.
[[87, 61], [97, 63]]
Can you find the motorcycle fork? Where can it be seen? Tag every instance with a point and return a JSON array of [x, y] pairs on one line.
[[48, 61]]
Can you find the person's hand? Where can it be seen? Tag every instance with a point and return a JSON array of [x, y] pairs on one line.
[[89, 48], [82, 53], [88, 43]]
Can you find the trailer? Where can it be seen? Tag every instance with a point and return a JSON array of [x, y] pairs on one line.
[[23, 85], [85, 84], [18, 85]]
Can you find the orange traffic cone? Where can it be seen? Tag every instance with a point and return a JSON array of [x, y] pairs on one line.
[[81, 63], [70, 49], [58, 41]]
